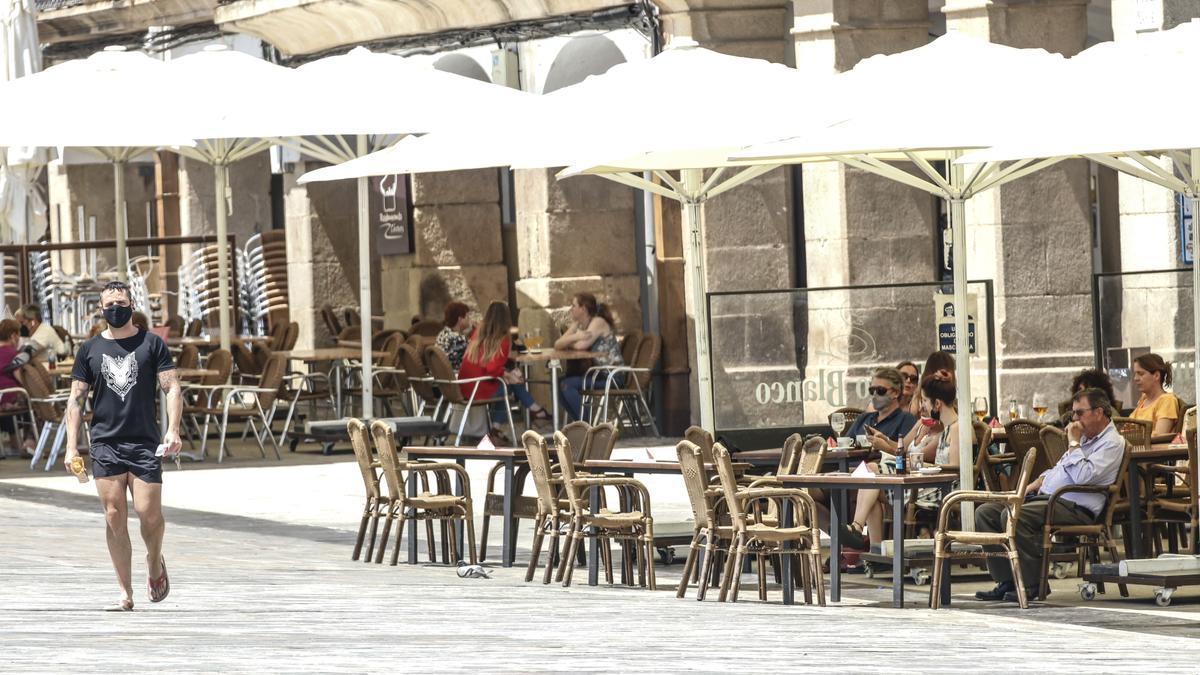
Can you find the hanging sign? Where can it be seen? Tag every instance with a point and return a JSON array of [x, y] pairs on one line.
[[390, 210], [946, 330], [1186, 223]]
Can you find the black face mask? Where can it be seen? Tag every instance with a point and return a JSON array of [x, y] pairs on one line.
[[24, 331], [118, 316]]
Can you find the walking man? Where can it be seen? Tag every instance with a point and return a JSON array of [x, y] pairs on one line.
[[121, 367]]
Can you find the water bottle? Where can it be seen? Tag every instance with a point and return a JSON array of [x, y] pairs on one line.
[[52, 360], [900, 468]]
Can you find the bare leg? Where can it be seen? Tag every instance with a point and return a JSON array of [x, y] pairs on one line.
[[147, 502], [116, 515], [867, 512]]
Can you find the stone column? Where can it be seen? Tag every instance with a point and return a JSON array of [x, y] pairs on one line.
[[1033, 236]]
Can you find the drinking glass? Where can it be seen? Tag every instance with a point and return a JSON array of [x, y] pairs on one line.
[[838, 421], [981, 408], [534, 341], [1039, 405]]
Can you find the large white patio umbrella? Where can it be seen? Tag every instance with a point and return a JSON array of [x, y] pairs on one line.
[[20, 55], [988, 87], [687, 104], [1129, 133], [95, 104]]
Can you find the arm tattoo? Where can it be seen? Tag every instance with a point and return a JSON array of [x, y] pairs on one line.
[[168, 381], [79, 392]]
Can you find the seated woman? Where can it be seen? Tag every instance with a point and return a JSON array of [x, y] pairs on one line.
[[938, 449], [908, 371], [1089, 378], [591, 329], [1150, 374], [486, 355], [453, 338], [11, 359]]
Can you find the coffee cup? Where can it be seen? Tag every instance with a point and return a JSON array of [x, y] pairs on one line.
[[845, 441], [863, 441]]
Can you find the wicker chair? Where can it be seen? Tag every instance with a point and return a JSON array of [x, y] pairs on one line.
[[442, 506], [703, 498], [1054, 440], [1024, 434], [630, 398], [985, 475], [248, 369], [189, 357], [1086, 539], [332, 323], [1174, 505], [420, 380], [550, 514], [1139, 434], [760, 539], [290, 337], [635, 526], [630, 344], [577, 434], [197, 396], [253, 405], [601, 439], [452, 395], [700, 437], [945, 538], [376, 504]]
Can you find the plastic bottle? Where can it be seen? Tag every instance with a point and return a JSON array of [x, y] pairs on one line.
[[900, 460]]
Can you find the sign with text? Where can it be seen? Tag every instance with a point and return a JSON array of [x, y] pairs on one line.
[[1187, 221], [390, 210], [946, 330]]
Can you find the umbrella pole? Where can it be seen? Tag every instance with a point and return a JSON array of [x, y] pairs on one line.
[[364, 286], [693, 236], [962, 342], [221, 171], [119, 202], [1194, 198]]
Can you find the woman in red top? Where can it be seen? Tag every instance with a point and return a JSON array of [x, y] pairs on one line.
[[11, 359], [487, 356]]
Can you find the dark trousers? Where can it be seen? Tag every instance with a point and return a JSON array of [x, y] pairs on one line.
[[994, 518]]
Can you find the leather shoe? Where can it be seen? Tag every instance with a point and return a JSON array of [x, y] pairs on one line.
[[998, 593], [1030, 596]]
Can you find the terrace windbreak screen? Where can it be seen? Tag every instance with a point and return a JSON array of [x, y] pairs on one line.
[[790, 357]]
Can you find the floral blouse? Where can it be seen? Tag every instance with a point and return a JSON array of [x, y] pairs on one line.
[[454, 344]]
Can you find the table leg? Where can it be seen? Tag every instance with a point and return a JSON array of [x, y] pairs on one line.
[[460, 526], [593, 561], [843, 496], [1135, 511], [897, 546], [506, 548], [785, 559], [553, 365], [337, 389], [413, 525], [835, 545], [528, 415]]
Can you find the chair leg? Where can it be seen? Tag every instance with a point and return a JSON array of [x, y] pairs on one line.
[[401, 521], [814, 558], [688, 565], [939, 567], [59, 441], [553, 551], [606, 559], [469, 517], [1044, 576], [1015, 562], [43, 436], [483, 535], [362, 530], [387, 528], [652, 581], [761, 565], [730, 571], [224, 430], [535, 553], [738, 560], [710, 565], [568, 567]]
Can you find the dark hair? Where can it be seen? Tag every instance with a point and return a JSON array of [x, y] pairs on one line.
[[909, 363], [891, 375], [1153, 363], [939, 361], [1095, 398], [1091, 378], [593, 308], [9, 328], [936, 389], [455, 311], [31, 313], [118, 286]]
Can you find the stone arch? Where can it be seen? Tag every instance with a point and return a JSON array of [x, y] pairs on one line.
[[461, 64], [579, 58]]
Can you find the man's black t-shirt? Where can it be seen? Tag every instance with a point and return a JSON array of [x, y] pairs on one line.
[[123, 376]]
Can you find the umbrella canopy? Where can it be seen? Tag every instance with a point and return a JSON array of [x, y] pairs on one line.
[[1128, 134], [990, 86], [699, 100], [20, 55]]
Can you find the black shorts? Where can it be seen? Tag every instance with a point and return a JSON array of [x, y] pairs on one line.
[[114, 459]]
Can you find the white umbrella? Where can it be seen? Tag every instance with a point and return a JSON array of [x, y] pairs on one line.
[[107, 85], [1128, 134], [990, 86], [20, 55], [688, 105]]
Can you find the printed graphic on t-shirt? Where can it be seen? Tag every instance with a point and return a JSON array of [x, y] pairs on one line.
[[120, 373]]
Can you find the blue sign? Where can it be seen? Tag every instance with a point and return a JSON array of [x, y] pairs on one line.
[[1186, 255], [947, 331]]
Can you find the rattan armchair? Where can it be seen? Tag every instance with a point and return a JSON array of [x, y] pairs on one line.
[[441, 506], [1173, 507], [449, 384], [634, 526], [761, 539], [701, 438], [376, 504], [1086, 539], [551, 512], [945, 538], [704, 499], [849, 413]]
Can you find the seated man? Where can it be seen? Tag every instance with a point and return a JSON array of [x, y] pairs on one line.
[[886, 417], [40, 333], [1092, 458]]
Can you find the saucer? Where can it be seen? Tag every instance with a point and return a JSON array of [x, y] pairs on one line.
[[930, 470]]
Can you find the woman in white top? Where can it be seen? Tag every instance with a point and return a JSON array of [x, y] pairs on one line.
[[939, 447]]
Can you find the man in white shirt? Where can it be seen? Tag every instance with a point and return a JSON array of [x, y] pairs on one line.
[[1093, 458], [42, 334]]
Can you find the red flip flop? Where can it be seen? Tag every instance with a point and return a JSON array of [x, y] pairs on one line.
[[159, 588]]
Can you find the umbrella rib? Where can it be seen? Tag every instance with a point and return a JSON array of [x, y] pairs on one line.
[[1141, 158], [316, 150], [1003, 174], [1181, 160], [981, 171], [881, 168], [926, 168], [341, 140], [665, 177], [637, 182], [712, 180], [743, 176], [381, 141], [1018, 170], [1119, 164]]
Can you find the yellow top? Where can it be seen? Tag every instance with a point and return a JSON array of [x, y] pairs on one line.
[[1163, 408]]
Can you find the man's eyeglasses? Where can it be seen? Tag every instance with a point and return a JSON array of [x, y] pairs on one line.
[[1077, 413], [877, 391]]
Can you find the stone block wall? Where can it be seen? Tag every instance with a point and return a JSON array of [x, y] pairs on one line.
[[90, 186]]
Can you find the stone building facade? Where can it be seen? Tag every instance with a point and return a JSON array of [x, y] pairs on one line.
[[534, 241]]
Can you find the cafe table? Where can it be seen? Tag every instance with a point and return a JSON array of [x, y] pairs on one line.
[[553, 359], [339, 356], [1158, 453], [895, 486]]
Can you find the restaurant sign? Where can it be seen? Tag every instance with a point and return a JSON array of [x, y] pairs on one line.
[[1187, 221], [946, 330], [390, 212]]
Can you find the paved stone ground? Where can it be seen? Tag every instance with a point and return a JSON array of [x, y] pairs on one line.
[[262, 581]]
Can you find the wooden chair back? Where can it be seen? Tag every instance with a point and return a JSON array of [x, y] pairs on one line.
[[538, 457], [649, 349], [443, 374], [789, 457], [361, 442], [1137, 432], [700, 437], [332, 324], [352, 333], [566, 466], [577, 434], [38, 383], [389, 460], [418, 374], [811, 456], [273, 373], [729, 485], [849, 413], [601, 439], [189, 357], [629, 346], [1181, 409], [1054, 440], [175, 326], [984, 472], [696, 480], [1024, 434], [244, 360], [291, 336], [194, 328], [221, 361]]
